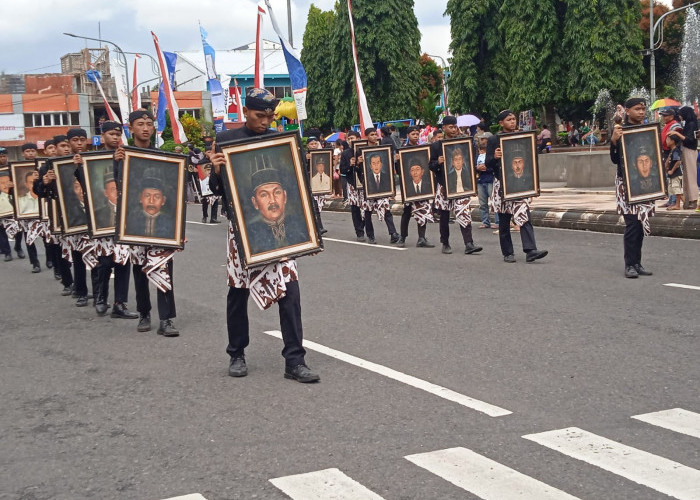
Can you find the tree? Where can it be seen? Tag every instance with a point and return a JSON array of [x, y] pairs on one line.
[[430, 91], [314, 57]]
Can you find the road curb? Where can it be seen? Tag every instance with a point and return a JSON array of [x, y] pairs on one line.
[[602, 221]]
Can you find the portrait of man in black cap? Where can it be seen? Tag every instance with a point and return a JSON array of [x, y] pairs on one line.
[[647, 179], [106, 200], [152, 217], [321, 174], [517, 166]]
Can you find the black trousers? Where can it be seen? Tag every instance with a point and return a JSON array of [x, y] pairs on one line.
[[121, 280], [388, 220], [467, 236], [53, 254], [31, 249], [527, 234], [317, 213], [290, 323], [166, 300], [214, 208], [406, 218], [357, 221], [64, 270], [79, 274], [633, 239], [4, 242]]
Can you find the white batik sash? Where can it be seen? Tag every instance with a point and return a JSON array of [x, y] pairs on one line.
[[644, 211]]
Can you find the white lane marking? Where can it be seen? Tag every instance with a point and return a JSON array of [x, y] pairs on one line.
[[201, 223], [676, 419], [661, 474], [483, 477], [679, 285], [443, 392], [323, 485], [193, 496], [363, 244]]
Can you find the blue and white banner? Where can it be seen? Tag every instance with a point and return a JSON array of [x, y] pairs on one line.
[[218, 100], [297, 74], [170, 62]]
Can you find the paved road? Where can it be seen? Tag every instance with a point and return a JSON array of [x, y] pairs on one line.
[[441, 376]]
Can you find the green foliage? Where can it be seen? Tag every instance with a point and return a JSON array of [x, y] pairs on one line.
[[314, 57], [427, 111], [430, 76], [168, 145], [193, 129]]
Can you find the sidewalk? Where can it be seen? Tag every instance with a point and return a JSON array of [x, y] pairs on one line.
[[586, 209]]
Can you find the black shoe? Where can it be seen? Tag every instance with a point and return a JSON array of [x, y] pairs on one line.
[[641, 271], [372, 241], [49, 264], [144, 323], [119, 310], [446, 248], [8, 257], [56, 275], [631, 272], [510, 259], [36, 269], [237, 367], [401, 243], [82, 301], [534, 255], [67, 290], [20, 254], [361, 238], [395, 237], [301, 373], [214, 221], [472, 248], [101, 308], [166, 329], [204, 219], [74, 292], [424, 243]]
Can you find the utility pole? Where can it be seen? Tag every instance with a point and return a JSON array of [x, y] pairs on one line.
[[652, 59], [289, 21]]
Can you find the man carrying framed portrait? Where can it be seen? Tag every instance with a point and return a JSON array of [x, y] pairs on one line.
[[319, 169], [355, 196], [259, 111]]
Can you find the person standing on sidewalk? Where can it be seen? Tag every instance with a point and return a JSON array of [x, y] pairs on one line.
[[668, 116], [690, 156], [484, 183], [637, 216]]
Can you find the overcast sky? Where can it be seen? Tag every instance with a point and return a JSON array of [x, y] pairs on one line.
[[32, 38]]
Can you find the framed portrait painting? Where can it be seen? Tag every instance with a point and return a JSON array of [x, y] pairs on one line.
[[417, 182], [71, 198], [151, 207], [266, 185], [321, 164], [25, 201], [7, 210], [458, 170], [357, 146], [519, 166], [641, 152], [378, 170], [54, 217], [100, 192]]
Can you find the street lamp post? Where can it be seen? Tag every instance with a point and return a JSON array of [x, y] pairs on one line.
[[120, 51], [154, 63]]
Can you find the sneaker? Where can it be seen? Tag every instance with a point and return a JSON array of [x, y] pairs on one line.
[[301, 373], [631, 272], [401, 243], [424, 243], [510, 259], [144, 323], [82, 301], [67, 290], [534, 255], [395, 237], [237, 367]]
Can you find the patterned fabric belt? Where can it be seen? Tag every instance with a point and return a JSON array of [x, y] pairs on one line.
[[421, 212], [519, 209], [644, 211], [320, 201], [460, 205]]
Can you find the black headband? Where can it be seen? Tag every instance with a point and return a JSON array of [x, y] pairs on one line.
[[633, 101], [504, 114], [76, 132], [139, 113]]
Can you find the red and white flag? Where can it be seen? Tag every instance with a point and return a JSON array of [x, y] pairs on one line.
[[237, 93], [365, 118], [259, 80], [110, 112], [135, 95], [179, 135]]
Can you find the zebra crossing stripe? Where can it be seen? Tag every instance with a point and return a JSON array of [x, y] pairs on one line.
[[663, 475], [323, 485], [443, 392], [677, 420], [485, 478]]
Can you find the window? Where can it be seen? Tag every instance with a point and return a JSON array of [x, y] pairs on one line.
[[197, 113], [75, 119], [280, 92], [51, 119]]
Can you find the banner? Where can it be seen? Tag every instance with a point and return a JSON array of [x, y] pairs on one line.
[[365, 118], [218, 101], [120, 79], [297, 74], [259, 80], [178, 132], [94, 76], [11, 127], [237, 95]]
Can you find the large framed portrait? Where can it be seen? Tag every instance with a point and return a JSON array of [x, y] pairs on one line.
[[321, 163], [519, 168], [101, 193], [7, 210], [458, 171], [267, 188], [357, 146], [71, 198], [151, 206], [25, 201], [416, 180], [378, 170], [641, 152]]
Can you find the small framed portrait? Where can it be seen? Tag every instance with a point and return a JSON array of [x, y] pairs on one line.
[[100, 192], [378, 170], [71, 198], [44, 209], [519, 167], [266, 185], [641, 152], [460, 177], [416, 180], [7, 210], [151, 206], [357, 146], [321, 171], [25, 201]]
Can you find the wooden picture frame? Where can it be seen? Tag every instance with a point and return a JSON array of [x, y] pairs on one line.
[[7, 209], [266, 185], [520, 174], [24, 200], [459, 166], [151, 204], [410, 158], [101, 193], [384, 157], [71, 198], [643, 167], [321, 181], [357, 146], [55, 225]]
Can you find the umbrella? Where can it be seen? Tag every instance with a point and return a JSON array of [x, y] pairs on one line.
[[467, 120], [664, 103], [335, 136]]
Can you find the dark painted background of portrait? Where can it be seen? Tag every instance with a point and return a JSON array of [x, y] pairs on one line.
[[525, 147], [75, 214], [633, 144]]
